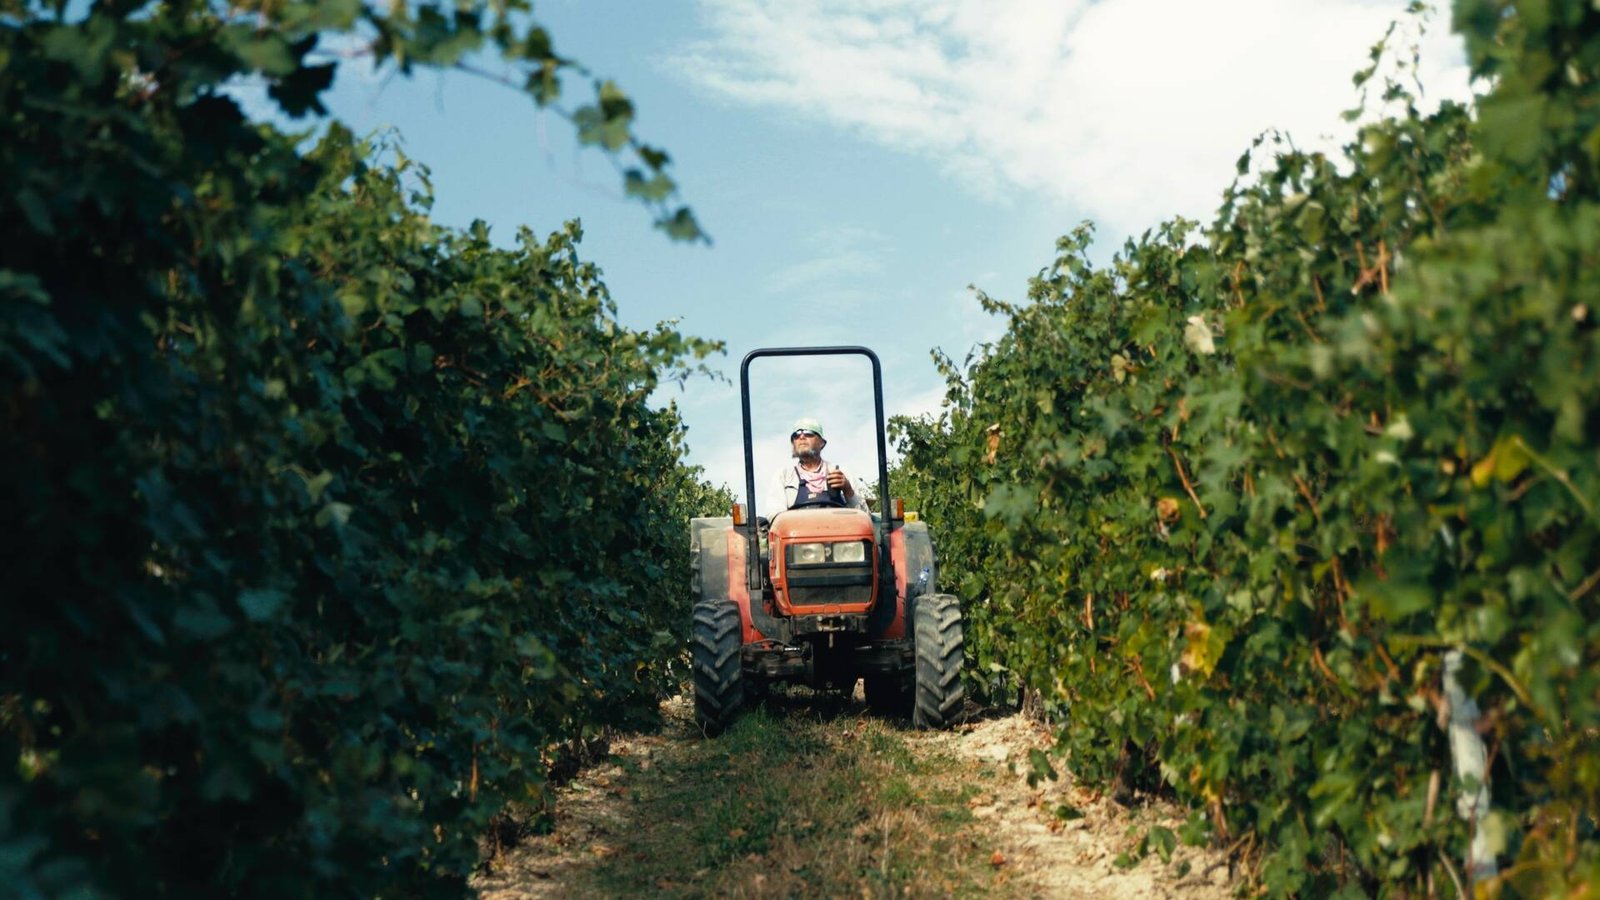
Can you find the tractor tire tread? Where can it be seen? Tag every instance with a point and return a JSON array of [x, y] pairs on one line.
[[715, 643], [940, 647]]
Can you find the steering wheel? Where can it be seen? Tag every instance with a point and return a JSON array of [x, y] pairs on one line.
[[830, 500]]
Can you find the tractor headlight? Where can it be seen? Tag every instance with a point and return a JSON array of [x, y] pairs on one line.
[[808, 554], [850, 552]]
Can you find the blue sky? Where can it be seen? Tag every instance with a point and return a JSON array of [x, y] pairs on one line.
[[860, 164]]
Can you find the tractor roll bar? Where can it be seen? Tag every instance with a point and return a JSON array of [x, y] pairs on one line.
[[749, 445]]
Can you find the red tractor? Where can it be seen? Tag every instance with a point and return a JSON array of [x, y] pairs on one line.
[[825, 596]]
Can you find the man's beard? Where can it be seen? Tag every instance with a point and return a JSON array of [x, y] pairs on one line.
[[808, 456]]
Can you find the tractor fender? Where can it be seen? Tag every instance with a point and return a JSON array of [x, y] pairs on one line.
[[915, 573], [718, 554]]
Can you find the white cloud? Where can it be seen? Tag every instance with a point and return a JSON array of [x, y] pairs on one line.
[[977, 326], [927, 402], [810, 272], [1129, 111], [839, 256]]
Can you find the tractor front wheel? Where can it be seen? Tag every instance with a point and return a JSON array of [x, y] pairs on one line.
[[714, 647], [937, 631]]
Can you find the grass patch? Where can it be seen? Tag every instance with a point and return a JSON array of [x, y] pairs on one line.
[[796, 799]]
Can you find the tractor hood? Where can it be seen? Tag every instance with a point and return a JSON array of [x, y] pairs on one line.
[[822, 525]]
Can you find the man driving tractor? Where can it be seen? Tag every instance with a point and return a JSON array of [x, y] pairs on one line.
[[810, 479], [830, 595]]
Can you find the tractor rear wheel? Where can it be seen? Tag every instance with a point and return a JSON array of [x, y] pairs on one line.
[[714, 647], [937, 630]]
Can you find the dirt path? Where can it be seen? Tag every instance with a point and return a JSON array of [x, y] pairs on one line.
[[808, 797]]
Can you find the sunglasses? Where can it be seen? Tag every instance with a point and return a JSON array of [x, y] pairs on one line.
[[803, 433]]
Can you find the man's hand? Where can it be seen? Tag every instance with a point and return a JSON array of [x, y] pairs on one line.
[[838, 482]]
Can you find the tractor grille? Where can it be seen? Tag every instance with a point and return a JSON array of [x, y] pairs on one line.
[[830, 584]]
